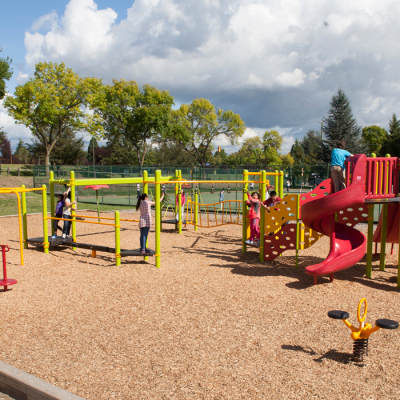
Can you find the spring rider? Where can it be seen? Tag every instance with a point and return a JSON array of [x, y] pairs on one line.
[[361, 334]]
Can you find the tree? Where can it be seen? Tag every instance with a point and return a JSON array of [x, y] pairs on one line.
[[251, 150], [392, 144], [297, 152], [220, 158], [68, 149], [21, 152], [311, 144], [374, 137], [5, 147], [341, 125], [53, 102], [139, 118], [93, 145], [5, 74], [197, 124], [272, 139], [272, 156], [287, 160]]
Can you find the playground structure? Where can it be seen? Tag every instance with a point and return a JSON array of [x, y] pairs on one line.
[[294, 224], [361, 334]]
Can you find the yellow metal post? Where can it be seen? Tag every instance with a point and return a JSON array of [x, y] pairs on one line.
[[297, 229], [196, 210], [176, 194], [45, 231], [146, 190], [158, 219], [276, 182], [245, 212], [281, 184], [180, 204], [370, 238], [72, 183], [117, 239], [383, 237], [24, 218]]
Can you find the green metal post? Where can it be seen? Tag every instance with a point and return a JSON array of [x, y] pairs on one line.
[[24, 218], [158, 218], [180, 204], [370, 237], [117, 239], [196, 210], [244, 211], [52, 205], [263, 193], [145, 185], [276, 182], [45, 231], [281, 184], [176, 194], [72, 183], [297, 230], [383, 237]]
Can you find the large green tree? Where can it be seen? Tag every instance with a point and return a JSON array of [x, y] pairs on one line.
[[374, 137], [5, 74], [5, 147], [21, 152], [52, 102], [392, 144], [198, 124], [272, 139], [135, 117], [251, 151], [340, 124]]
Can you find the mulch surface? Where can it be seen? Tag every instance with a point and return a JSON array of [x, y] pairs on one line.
[[212, 323]]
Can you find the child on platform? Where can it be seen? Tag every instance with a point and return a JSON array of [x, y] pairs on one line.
[[272, 201], [59, 211], [254, 216], [183, 200], [67, 215], [145, 220]]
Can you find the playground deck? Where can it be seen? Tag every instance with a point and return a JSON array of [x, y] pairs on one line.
[[211, 323]]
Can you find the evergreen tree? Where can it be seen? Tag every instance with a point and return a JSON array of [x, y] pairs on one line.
[[340, 124], [392, 144], [5, 147], [93, 145], [21, 152]]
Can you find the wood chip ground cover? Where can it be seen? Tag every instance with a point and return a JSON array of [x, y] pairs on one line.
[[212, 323]]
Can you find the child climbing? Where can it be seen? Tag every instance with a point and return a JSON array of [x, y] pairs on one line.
[[272, 201], [183, 200], [338, 158], [254, 216], [67, 215], [145, 220], [59, 211]]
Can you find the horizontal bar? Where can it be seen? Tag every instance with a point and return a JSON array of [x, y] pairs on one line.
[[211, 181], [214, 204], [109, 218], [105, 181], [85, 222]]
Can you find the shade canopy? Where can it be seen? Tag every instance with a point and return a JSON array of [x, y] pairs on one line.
[[96, 187]]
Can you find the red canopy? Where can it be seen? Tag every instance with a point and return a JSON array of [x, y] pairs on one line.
[[96, 187]]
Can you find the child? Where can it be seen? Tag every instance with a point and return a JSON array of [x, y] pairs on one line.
[[59, 211], [254, 216], [221, 196], [138, 191], [183, 200], [67, 215], [272, 201], [145, 220], [287, 185]]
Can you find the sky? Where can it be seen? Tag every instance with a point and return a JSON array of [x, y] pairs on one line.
[[277, 63]]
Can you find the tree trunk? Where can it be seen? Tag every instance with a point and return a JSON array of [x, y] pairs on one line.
[[47, 161]]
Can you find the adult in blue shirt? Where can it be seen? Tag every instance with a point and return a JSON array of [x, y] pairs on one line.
[[339, 155]]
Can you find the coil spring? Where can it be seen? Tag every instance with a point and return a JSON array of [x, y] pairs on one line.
[[360, 349]]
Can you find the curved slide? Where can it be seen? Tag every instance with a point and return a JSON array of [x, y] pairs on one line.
[[348, 245]]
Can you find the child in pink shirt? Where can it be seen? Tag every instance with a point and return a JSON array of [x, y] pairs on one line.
[[254, 216]]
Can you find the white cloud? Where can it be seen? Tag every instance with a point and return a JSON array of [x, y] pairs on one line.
[[274, 63], [14, 131], [46, 21]]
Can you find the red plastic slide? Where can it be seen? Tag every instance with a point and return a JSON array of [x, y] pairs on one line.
[[392, 227], [348, 245]]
